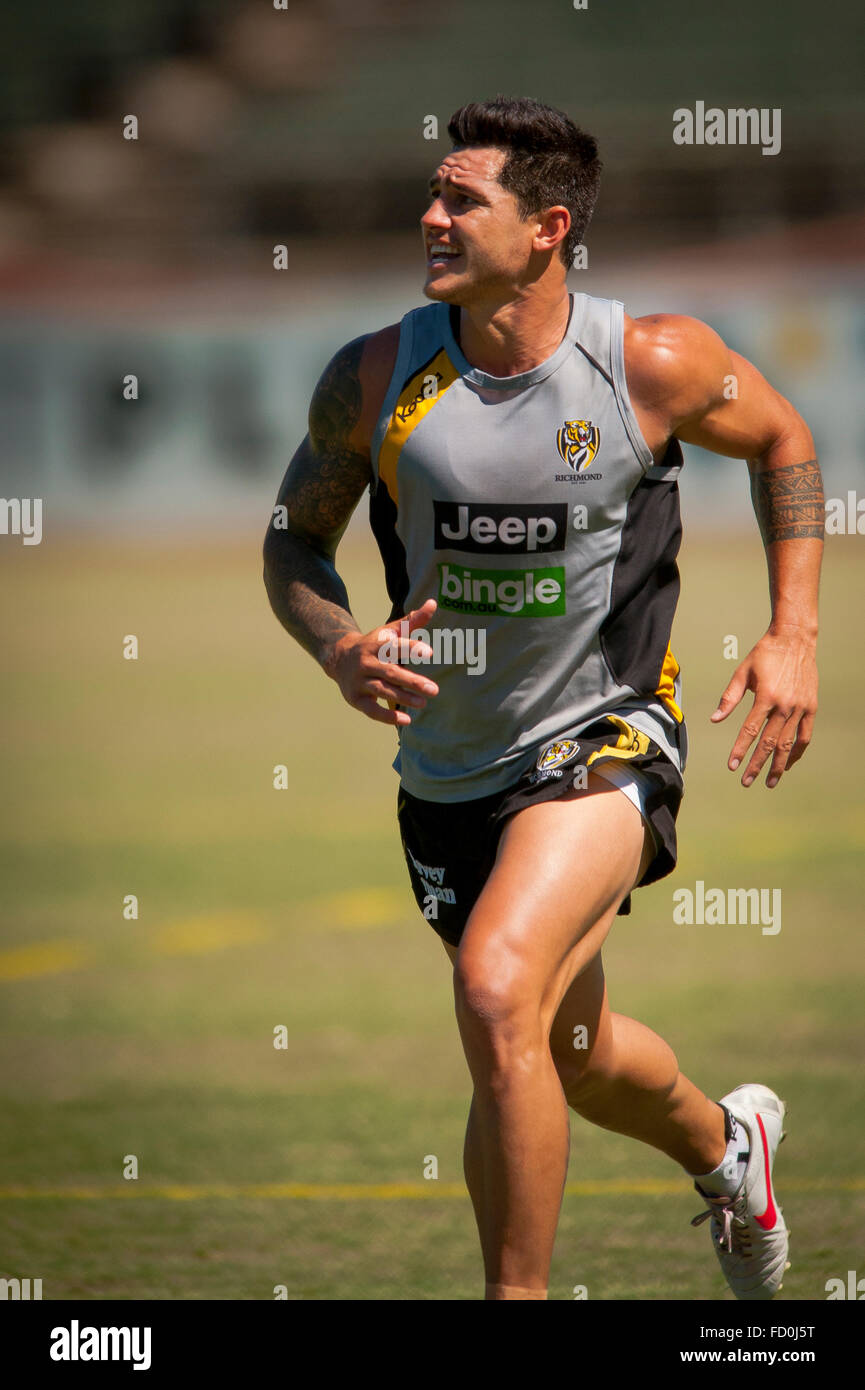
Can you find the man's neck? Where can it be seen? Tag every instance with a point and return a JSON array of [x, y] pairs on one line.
[[512, 337]]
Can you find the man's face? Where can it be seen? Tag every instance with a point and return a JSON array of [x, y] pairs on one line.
[[470, 214]]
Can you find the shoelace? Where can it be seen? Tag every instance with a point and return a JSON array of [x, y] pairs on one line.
[[728, 1210]]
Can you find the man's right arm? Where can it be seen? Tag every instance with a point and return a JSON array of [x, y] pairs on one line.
[[322, 486], [321, 489]]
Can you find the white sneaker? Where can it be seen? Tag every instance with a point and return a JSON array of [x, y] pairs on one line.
[[748, 1230]]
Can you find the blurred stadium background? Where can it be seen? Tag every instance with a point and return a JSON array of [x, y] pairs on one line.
[[303, 1166]]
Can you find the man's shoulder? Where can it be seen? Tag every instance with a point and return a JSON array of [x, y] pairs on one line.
[[377, 363], [368, 356], [358, 375], [672, 356], [669, 337], [378, 358]]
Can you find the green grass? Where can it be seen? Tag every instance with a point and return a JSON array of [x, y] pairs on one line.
[[261, 908]]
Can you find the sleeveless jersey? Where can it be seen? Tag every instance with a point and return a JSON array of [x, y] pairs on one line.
[[531, 509]]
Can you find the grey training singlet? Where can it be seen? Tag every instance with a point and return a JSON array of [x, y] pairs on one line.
[[531, 509]]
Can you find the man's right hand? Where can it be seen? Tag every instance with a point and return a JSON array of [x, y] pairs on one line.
[[365, 676]]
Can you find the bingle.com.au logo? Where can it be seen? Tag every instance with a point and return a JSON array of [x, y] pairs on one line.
[[76, 1343], [535, 593]]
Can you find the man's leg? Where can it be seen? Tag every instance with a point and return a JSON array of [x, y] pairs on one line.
[[627, 1078], [532, 944]]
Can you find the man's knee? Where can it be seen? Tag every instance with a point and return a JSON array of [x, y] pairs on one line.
[[497, 1009]]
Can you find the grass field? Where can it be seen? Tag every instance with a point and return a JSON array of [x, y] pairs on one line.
[[303, 1166]]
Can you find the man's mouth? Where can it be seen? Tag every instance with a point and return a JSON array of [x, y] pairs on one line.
[[439, 253]]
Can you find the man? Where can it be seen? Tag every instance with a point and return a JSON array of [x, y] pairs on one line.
[[521, 446]]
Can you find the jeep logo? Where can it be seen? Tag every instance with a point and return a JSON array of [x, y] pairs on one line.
[[517, 528]]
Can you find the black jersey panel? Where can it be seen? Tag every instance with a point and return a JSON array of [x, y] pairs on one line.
[[635, 634], [382, 518]]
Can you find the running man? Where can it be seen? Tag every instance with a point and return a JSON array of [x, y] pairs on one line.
[[522, 446]]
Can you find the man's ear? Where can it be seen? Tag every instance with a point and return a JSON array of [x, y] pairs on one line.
[[555, 223]]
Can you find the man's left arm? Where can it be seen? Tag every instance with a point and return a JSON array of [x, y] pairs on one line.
[[694, 387]]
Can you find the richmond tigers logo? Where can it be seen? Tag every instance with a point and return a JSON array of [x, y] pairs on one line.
[[557, 753], [578, 442]]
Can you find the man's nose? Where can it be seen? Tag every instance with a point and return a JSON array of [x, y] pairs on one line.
[[435, 215]]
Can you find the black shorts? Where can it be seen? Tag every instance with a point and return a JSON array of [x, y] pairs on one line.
[[450, 847]]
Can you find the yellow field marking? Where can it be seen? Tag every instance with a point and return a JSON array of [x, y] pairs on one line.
[[358, 908], [191, 936], [362, 907], [44, 958], [380, 1192], [197, 936]]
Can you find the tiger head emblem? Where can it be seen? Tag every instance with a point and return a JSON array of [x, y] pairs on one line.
[[578, 442]]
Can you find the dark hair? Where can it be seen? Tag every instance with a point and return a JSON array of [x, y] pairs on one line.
[[549, 161]]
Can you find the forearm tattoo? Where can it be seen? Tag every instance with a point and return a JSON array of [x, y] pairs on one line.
[[788, 501], [307, 595], [323, 485]]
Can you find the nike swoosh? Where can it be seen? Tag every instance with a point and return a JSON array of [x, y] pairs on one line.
[[770, 1216]]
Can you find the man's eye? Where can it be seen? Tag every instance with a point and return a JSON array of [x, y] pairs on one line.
[[455, 194]]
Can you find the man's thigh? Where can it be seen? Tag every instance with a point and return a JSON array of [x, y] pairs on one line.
[[561, 871]]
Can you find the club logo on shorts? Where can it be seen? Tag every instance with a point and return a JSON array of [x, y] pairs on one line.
[[578, 442], [557, 754]]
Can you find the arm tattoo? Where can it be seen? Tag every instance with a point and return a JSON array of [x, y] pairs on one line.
[[326, 480], [324, 483], [788, 501], [337, 401]]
